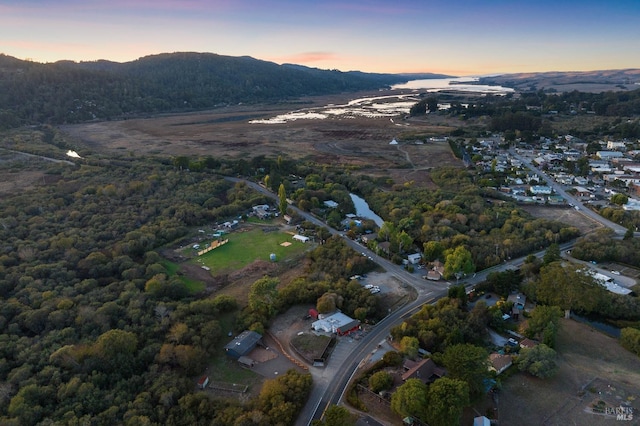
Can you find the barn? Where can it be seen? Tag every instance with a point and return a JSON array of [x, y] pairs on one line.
[[242, 344]]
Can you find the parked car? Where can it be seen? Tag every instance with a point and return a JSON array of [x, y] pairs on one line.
[[615, 272]]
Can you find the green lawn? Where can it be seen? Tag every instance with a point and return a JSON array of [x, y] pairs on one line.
[[193, 286], [245, 247]]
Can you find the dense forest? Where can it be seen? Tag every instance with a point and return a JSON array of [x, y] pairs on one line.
[[69, 92], [96, 328]]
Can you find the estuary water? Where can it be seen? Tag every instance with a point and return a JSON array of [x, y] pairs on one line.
[[460, 84], [363, 210]]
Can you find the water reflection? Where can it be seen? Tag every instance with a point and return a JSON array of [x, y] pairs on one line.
[[390, 105], [363, 210]]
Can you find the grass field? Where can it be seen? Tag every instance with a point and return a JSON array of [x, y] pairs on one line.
[[245, 247], [194, 286]]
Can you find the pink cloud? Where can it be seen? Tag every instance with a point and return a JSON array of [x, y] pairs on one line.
[[307, 57]]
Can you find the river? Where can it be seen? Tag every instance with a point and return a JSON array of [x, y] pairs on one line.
[[363, 210]]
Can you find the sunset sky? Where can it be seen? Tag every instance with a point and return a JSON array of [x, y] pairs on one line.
[[456, 37]]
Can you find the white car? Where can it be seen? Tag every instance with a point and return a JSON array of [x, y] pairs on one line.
[[368, 286], [375, 290], [615, 272]]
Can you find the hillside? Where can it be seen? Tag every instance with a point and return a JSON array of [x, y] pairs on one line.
[[581, 81], [70, 92]]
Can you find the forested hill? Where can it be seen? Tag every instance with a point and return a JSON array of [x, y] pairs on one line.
[[68, 92]]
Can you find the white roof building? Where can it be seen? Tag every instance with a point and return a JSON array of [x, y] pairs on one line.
[[333, 323], [301, 238]]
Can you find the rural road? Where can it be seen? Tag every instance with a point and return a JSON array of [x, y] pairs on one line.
[[330, 382]]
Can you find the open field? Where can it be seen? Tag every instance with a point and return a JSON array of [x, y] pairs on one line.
[[246, 246], [593, 367], [566, 215], [360, 142]]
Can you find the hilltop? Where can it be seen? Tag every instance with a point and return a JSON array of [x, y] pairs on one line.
[[70, 92]]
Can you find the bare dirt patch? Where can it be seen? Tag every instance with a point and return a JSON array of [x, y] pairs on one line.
[[566, 215], [593, 367]]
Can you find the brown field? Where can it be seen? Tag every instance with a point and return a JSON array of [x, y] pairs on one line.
[[362, 143], [564, 215], [593, 367]]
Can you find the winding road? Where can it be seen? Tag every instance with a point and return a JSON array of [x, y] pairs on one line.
[[330, 382]]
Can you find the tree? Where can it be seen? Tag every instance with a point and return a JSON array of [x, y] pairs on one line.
[[468, 363], [433, 250], [458, 260], [458, 292], [263, 296], [327, 303], [404, 240], [379, 381], [568, 287], [337, 415], [538, 361], [409, 346], [630, 339], [410, 399], [552, 254], [447, 398], [619, 199], [544, 322], [282, 199]]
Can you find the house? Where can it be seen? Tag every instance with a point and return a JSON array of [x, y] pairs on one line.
[[527, 343], [608, 155], [414, 258], [337, 322], [519, 301], [385, 247], [331, 204], [367, 238], [582, 192], [242, 344], [262, 214], [301, 238], [499, 362], [425, 370], [540, 190], [436, 272], [203, 382]]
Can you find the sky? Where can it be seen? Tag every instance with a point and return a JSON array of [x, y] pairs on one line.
[[454, 37]]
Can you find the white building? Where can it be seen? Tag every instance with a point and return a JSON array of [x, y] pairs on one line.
[[301, 238]]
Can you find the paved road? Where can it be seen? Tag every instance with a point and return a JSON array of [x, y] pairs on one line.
[[618, 229], [329, 383]]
